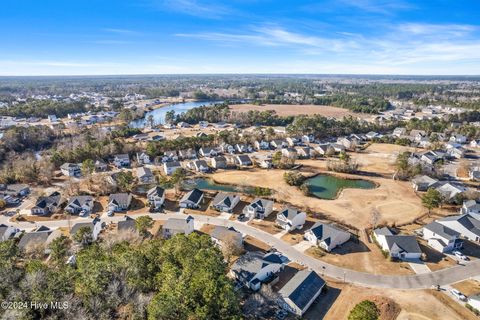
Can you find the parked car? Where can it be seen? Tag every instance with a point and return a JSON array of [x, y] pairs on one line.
[[460, 255], [241, 217], [110, 213], [460, 296]]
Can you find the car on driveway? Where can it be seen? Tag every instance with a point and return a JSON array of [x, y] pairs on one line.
[[457, 294], [459, 255], [241, 217]]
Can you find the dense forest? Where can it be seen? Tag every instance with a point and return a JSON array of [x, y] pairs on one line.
[[126, 276], [43, 108]]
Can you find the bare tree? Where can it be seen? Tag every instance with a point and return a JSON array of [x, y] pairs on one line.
[[374, 217]]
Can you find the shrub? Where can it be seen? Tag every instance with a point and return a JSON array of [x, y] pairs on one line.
[[365, 310], [293, 178]]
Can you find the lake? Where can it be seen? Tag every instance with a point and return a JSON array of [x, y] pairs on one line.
[[159, 113], [327, 187], [208, 184]]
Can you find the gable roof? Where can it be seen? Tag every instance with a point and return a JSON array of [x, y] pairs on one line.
[[302, 288], [119, 198], [260, 203], [156, 191], [324, 232], [177, 223], [194, 196], [441, 230], [402, 243], [289, 213], [385, 231], [223, 233], [127, 224], [467, 221], [224, 199], [80, 201]]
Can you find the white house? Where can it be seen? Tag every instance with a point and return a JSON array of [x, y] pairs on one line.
[[423, 183], [174, 226], [171, 167], [441, 237], [143, 158], [290, 219], [192, 199], [474, 301], [145, 175], [119, 202], [458, 138], [121, 160], [156, 197], [243, 160], [326, 236], [299, 293], [208, 152], [252, 270], [199, 166], [465, 224], [70, 169], [222, 235], [81, 205], [399, 246], [225, 202], [258, 209]]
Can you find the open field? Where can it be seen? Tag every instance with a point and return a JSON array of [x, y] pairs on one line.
[[395, 200], [413, 305], [297, 109]]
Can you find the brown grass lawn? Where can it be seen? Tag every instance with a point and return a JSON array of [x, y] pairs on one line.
[[435, 260], [468, 287], [292, 238], [253, 244], [292, 109]]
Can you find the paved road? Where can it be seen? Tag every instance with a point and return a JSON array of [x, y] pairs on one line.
[[417, 281]]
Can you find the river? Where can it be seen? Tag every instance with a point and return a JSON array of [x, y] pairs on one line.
[[159, 113]]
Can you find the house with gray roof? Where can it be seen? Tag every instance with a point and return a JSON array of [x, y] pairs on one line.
[[423, 183], [192, 199], [400, 246], [47, 204], [291, 219], [171, 166], [219, 162], [156, 197], [145, 175], [258, 209], [199, 166], [299, 293], [100, 165], [222, 235], [118, 202], [80, 205], [71, 169], [7, 232], [34, 239], [441, 237], [243, 160], [128, 224], [252, 270], [465, 224], [327, 236], [225, 202], [121, 160], [96, 226], [471, 207], [449, 189], [174, 226]]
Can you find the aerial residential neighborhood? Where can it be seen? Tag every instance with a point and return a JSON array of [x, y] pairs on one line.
[[211, 160]]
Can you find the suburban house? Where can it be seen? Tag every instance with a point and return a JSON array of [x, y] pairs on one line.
[[170, 156], [290, 219], [17, 190], [34, 239], [227, 236], [327, 236], [449, 190], [174, 226], [475, 143], [183, 124], [227, 148], [308, 138], [252, 270], [243, 160], [7, 232], [187, 154], [261, 145], [156, 197], [471, 207], [100, 165], [458, 138], [423, 183], [265, 163], [456, 153], [258, 209], [145, 175], [47, 205], [304, 152], [128, 224], [81, 205], [299, 293], [278, 144], [192, 199], [143, 158], [225, 202], [399, 132], [441, 238], [242, 148], [199, 166], [96, 226], [171, 167], [208, 152], [71, 169], [289, 153], [398, 246], [219, 162], [121, 160], [465, 224], [474, 301], [119, 202], [323, 149], [474, 173], [337, 147], [372, 135]]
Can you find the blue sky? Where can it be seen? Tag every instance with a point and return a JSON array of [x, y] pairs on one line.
[[91, 37]]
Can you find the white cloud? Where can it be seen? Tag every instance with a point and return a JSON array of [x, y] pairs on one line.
[[198, 8]]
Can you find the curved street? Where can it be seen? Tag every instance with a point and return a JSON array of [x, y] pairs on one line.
[[418, 281]]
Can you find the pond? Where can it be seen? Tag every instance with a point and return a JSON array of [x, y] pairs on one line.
[[159, 113], [208, 184], [327, 187]]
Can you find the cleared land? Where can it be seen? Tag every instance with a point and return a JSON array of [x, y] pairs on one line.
[[298, 109], [395, 200], [413, 304]]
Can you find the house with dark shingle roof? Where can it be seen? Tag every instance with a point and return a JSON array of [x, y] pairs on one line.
[[7, 232], [47, 205], [36, 238], [400, 246], [119, 201], [299, 293], [192, 199], [252, 270], [465, 224], [174, 226], [156, 197], [243, 160], [145, 175], [95, 226], [258, 209], [222, 235], [121, 160], [127, 224], [225, 202], [290, 218], [82, 205], [441, 238], [327, 236]]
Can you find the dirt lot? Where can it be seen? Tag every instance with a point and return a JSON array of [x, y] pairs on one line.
[[413, 304], [253, 244], [395, 200], [296, 109], [468, 287]]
